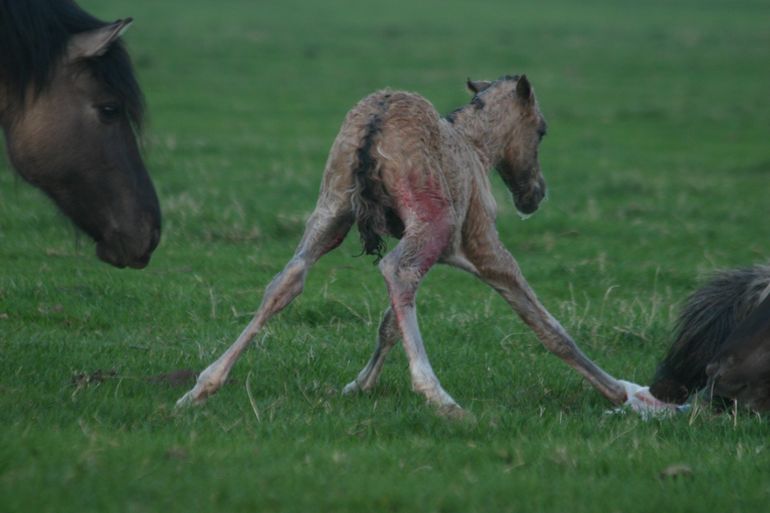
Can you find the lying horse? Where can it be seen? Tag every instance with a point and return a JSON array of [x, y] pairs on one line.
[[398, 169], [722, 342], [70, 108]]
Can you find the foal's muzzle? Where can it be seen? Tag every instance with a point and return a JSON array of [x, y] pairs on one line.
[[528, 197]]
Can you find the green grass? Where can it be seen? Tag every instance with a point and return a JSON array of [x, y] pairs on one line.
[[658, 166]]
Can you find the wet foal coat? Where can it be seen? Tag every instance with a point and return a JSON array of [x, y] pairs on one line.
[[398, 169]]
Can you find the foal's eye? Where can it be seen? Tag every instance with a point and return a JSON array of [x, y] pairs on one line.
[[109, 112]]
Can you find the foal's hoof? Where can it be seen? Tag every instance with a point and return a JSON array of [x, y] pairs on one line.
[[197, 395], [186, 401], [454, 412], [351, 388], [640, 400]]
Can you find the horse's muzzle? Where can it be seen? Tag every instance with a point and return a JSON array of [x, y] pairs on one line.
[[120, 251]]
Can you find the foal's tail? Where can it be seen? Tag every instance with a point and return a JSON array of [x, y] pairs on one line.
[[372, 205], [708, 317]]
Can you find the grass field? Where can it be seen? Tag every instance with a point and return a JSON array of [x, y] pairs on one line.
[[658, 163]]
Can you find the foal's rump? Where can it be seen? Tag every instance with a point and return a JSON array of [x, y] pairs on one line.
[[397, 175]]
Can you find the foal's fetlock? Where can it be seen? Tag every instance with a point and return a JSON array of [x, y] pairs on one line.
[[203, 389]]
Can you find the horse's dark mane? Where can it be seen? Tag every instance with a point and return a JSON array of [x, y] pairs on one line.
[[33, 39]]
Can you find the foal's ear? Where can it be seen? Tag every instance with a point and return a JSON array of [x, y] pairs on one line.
[[524, 89], [476, 86], [96, 42]]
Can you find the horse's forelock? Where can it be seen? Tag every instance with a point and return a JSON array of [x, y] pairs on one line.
[[34, 35], [33, 39]]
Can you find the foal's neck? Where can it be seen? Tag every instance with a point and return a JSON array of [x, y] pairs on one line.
[[484, 130]]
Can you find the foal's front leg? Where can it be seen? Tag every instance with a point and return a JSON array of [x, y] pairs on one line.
[[493, 264]]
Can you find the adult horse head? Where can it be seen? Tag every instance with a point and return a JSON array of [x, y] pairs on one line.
[[70, 108]]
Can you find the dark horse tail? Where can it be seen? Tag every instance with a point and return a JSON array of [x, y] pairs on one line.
[[372, 204], [709, 317]]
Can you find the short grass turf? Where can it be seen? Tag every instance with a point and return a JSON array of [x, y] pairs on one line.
[[658, 166]]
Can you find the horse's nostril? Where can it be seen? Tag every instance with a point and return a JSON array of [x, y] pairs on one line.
[[154, 239]]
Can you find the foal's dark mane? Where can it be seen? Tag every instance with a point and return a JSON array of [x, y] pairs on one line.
[[33, 40], [477, 101]]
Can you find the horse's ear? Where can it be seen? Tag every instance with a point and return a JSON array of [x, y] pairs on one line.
[[94, 43], [476, 86], [524, 89]]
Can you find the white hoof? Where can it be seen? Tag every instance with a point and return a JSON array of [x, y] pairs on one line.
[[186, 400], [640, 400], [351, 388], [454, 411]]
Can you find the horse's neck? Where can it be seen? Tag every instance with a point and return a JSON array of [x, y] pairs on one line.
[[4, 102], [2, 99], [9, 104]]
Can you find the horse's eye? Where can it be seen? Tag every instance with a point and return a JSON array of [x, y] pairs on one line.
[[109, 112]]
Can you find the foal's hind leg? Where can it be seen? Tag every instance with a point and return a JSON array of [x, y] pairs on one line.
[[403, 269], [387, 335], [325, 230]]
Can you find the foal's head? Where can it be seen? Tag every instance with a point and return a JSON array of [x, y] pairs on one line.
[[70, 131], [518, 127]]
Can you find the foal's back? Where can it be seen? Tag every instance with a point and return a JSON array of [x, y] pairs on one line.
[[403, 122]]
